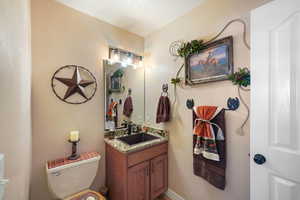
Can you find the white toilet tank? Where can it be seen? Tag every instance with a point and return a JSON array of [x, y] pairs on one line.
[[67, 177]]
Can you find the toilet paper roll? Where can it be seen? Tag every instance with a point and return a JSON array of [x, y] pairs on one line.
[[91, 198]]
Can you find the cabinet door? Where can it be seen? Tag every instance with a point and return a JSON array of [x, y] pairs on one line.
[[139, 181], [159, 176]]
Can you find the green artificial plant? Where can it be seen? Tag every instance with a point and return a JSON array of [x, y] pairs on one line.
[[241, 77], [190, 48]]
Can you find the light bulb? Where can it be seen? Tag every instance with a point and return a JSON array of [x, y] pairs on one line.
[[129, 61], [124, 64], [116, 57], [140, 63]]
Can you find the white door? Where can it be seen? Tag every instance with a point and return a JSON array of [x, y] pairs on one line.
[[3, 182], [275, 101]]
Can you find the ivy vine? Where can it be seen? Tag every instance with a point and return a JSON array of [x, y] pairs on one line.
[[175, 80], [190, 48]]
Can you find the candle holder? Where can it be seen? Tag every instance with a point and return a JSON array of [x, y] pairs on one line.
[[74, 155]]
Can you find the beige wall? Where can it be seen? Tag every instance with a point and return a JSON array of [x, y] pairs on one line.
[[202, 22], [64, 36], [15, 74]]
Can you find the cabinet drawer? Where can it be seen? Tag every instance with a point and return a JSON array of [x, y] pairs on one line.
[[147, 154]]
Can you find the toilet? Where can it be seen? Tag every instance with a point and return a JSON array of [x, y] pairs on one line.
[[71, 179]]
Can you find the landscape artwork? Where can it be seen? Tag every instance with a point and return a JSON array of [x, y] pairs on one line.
[[211, 64]]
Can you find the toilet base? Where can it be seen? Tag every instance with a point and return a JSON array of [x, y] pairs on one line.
[[84, 195]]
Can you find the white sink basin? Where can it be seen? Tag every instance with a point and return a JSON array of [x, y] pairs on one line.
[[3, 181]]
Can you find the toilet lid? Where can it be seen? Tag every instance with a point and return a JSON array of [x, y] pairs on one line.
[[86, 195]]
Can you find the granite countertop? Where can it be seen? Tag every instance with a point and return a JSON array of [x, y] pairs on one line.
[[125, 148]]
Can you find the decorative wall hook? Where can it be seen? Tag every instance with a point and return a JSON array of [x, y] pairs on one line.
[[233, 103], [190, 103]]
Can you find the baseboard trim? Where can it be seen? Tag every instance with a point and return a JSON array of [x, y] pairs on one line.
[[173, 195]]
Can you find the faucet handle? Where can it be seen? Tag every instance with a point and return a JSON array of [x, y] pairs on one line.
[[124, 123], [135, 128]]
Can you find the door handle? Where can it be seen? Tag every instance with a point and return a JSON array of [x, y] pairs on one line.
[[259, 159]]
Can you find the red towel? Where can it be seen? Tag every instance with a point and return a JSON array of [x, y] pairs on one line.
[[111, 106], [163, 110], [128, 107]]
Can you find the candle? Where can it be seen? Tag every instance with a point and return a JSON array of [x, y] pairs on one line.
[[74, 136]]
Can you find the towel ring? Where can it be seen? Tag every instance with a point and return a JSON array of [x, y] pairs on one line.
[[129, 91], [165, 88]]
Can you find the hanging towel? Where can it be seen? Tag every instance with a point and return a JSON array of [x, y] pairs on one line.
[[209, 130], [203, 128], [128, 107], [163, 109], [111, 109]]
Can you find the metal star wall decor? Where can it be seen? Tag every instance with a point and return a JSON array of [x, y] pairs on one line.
[[85, 89]]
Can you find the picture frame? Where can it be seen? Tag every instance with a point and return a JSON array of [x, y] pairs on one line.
[[213, 63], [115, 84]]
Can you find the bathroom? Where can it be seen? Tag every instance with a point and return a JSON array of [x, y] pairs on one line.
[[39, 37]]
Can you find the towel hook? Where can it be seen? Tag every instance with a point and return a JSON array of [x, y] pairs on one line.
[[129, 91], [190, 103], [233, 103]]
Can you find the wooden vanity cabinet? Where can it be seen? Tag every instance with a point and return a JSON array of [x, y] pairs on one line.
[[159, 175], [139, 182], [141, 175]]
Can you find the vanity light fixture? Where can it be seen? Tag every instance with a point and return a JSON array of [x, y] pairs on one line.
[[125, 58], [116, 55]]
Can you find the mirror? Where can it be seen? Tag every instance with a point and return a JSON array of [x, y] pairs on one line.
[[124, 94]]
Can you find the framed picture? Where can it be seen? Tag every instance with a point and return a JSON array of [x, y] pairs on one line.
[[115, 84], [214, 63]]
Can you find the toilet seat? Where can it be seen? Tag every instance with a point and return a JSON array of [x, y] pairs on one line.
[[85, 194]]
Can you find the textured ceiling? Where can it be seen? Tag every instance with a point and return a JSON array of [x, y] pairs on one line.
[[138, 16]]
